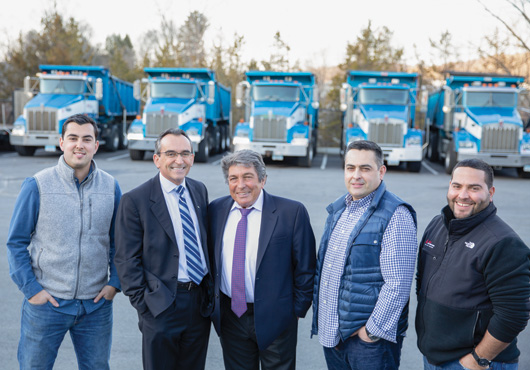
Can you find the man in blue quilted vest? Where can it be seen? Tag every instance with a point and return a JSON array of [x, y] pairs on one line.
[[365, 268]]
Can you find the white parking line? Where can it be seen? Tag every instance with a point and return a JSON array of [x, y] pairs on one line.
[[215, 163], [324, 162], [118, 157], [429, 168]]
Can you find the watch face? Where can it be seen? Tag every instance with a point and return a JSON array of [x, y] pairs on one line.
[[483, 362]]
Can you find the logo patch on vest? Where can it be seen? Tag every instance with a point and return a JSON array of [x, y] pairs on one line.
[[470, 245], [429, 244]]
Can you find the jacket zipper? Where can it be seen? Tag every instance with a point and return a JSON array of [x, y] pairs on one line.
[[80, 237]]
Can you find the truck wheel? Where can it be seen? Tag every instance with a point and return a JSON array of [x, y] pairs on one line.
[[522, 174], [25, 151], [124, 142], [204, 149], [432, 150], [112, 142], [228, 140], [307, 160], [136, 155], [450, 159], [315, 140], [414, 166]]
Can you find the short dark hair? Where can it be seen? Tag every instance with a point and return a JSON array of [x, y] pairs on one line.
[[171, 131], [80, 119], [477, 164], [247, 158], [367, 145]]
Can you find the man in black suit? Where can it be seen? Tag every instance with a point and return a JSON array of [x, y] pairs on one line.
[[162, 258], [264, 262]]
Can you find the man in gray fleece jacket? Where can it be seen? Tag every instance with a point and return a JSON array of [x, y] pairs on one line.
[[61, 252]]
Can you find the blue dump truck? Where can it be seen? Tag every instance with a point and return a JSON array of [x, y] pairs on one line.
[[475, 116], [380, 106], [281, 115], [187, 98], [67, 90]]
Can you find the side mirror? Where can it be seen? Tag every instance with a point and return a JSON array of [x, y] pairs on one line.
[[239, 95], [344, 98], [137, 90], [211, 92], [315, 104], [99, 89]]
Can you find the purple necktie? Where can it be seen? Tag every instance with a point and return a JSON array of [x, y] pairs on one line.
[[239, 299]]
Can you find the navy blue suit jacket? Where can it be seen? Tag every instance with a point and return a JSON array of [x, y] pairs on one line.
[[285, 265], [146, 248]]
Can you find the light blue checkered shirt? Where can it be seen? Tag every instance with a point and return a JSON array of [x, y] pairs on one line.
[[397, 261]]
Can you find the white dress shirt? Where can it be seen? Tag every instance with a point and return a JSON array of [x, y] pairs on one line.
[[251, 249], [172, 202]]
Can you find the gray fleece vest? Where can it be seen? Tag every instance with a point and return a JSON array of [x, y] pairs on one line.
[[70, 246]]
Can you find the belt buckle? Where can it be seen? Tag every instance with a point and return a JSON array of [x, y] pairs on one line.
[[190, 285]]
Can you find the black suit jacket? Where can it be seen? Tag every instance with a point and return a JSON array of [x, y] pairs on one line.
[[147, 255], [285, 264]]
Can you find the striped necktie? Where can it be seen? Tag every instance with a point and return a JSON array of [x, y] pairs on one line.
[[193, 256], [239, 300]]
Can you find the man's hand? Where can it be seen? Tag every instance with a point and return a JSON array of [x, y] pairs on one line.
[[362, 335], [108, 292], [468, 361], [42, 297]]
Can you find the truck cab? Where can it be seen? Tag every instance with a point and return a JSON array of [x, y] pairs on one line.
[[281, 115], [380, 107], [186, 98]]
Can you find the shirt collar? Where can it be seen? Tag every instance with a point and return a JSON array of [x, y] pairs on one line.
[[169, 186], [363, 202], [258, 204]]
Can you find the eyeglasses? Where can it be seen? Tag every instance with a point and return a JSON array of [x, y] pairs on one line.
[[172, 154]]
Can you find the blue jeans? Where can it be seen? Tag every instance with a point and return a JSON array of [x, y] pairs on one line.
[[42, 330], [455, 365], [355, 354]]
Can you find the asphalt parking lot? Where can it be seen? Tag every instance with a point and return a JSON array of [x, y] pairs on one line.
[[316, 187]]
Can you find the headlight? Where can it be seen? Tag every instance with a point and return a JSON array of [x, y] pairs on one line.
[[299, 135], [466, 144], [193, 131], [136, 129], [242, 133], [525, 148], [18, 130], [413, 141]]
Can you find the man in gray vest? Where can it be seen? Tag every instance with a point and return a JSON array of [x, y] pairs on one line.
[[61, 251], [365, 268]]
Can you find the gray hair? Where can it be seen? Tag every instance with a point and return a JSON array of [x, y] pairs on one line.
[[368, 145], [246, 158], [170, 131]]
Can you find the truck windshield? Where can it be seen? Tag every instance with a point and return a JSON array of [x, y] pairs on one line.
[[490, 99], [173, 90], [56, 86], [275, 93], [383, 96]]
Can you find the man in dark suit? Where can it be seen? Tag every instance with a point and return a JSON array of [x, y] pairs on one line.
[[264, 262], [162, 259]]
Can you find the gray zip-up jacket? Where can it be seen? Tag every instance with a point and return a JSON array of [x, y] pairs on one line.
[[70, 247]]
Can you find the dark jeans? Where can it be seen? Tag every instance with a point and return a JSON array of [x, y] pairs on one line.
[[355, 354]]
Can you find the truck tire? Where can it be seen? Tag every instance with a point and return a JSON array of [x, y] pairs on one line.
[[136, 155], [522, 174], [432, 150], [414, 166], [112, 142], [204, 149], [450, 159], [25, 151], [307, 160]]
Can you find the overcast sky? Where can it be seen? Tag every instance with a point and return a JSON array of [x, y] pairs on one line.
[[316, 30]]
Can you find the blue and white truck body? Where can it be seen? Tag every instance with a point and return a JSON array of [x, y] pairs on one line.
[[281, 115], [187, 98], [66, 90], [380, 107], [476, 116]]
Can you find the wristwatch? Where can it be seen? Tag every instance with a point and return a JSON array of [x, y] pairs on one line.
[[372, 337], [480, 361]]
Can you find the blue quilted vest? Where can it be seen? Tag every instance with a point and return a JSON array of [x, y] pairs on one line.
[[361, 279]]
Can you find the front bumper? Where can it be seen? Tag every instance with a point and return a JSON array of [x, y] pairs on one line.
[[35, 140], [274, 150], [498, 159], [149, 144], [394, 156]]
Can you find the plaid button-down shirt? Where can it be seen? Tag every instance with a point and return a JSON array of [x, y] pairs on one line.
[[397, 261]]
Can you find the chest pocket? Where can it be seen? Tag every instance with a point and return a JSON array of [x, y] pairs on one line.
[[365, 251]]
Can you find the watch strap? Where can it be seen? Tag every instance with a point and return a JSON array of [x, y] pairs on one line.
[[480, 361]]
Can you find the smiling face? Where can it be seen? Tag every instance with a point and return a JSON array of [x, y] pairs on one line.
[[244, 184], [468, 192], [177, 168], [361, 174], [79, 146]]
